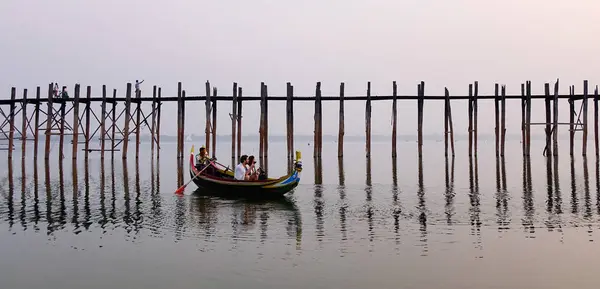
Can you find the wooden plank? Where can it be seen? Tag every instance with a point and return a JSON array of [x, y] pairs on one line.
[[24, 124], [585, 118], [11, 121], [341, 126], [49, 114], [368, 121], [102, 124], [36, 132], [395, 118], [75, 121], [87, 121], [127, 121]]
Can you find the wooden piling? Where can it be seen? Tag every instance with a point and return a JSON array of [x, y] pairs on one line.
[[448, 127], [24, 124], [528, 118], [420, 105], [61, 139], [290, 124], [395, 118], [102, 124], [49, 114], [523, 103], [75, 139], [183, 95], [503, 119], [36, 123], [153, 124], [114, 124], [585, 118], [214, 122], [318, 122], [548, 120], [555, 120], [11, 120], [233, 124], [266, 131], [138, 123], [475, 109], [470, 119], [158, 122], [179, 121], [341, 126], [596, 120], [87, 121], [261, 128], [239, 125], [207, 107], [497, 117], [368, 121], [571, 119], [127, 120]]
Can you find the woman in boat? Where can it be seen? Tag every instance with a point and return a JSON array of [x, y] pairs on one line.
[[252, 169]]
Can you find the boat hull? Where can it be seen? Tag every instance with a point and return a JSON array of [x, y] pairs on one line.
[[227, 186]]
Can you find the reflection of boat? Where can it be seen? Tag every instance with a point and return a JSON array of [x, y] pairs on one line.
[[221, 182]]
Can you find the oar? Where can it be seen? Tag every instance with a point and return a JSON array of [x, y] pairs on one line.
[[180, 190]]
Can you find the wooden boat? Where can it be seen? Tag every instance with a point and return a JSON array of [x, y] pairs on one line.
[[220, 180]]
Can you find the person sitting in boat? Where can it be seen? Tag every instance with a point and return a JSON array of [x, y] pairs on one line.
[[202, 159], [250, 166], [241, 171]]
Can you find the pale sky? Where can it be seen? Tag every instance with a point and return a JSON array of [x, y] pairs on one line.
[[444, 43]]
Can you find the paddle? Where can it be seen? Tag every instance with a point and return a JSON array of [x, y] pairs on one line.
[[180, 190]]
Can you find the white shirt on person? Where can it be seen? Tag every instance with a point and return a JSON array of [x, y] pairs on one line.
[[240, 172]]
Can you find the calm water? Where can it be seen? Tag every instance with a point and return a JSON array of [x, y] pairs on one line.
[[440, 223]]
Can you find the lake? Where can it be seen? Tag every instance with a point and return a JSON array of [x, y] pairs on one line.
[[462, 222]]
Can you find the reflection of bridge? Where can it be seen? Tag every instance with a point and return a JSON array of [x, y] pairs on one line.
[[112, 201]]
